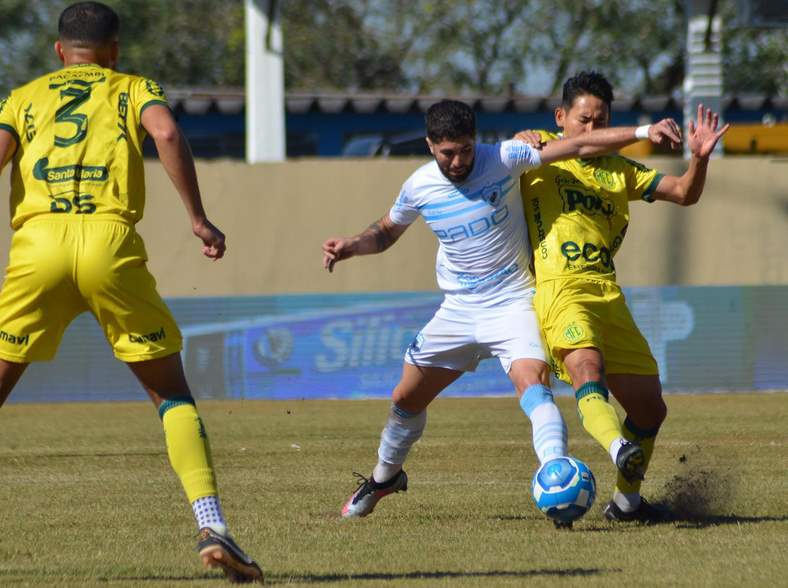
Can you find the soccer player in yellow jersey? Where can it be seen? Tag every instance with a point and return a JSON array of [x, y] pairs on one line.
[[74, 137], [578, 213]]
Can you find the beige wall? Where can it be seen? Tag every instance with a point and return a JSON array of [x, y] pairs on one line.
[[277, 215]]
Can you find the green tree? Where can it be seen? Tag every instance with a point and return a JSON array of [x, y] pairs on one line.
[[428, 46], [354, 44], [178, 42], [756, 61]]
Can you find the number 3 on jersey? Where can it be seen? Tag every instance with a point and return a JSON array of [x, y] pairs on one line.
[[79, 92]]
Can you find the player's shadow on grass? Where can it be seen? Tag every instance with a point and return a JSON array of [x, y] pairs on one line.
[[159, 578], [437, 575]]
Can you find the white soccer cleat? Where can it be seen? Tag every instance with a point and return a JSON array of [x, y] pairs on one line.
[[369, 492]]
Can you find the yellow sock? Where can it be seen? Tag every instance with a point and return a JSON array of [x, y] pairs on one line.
[[597, 415], [645, 438], [188, 448]]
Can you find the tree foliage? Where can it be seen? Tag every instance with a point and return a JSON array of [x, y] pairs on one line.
[[179, 42], [428, 46]]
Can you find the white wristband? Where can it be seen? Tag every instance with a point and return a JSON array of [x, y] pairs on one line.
[[642, 132]]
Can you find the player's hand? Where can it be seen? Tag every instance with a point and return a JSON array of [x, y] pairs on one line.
[[531, 138], [703, 135], [665, 132], [213, 244], [335, 250]]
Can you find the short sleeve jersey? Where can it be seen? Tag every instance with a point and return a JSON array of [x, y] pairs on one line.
[[483, 249], [79, 143], [578, 212]]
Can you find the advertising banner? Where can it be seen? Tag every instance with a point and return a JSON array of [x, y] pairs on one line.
[[352, 346]]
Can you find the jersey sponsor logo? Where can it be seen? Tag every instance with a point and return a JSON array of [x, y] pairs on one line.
[[539, 224], [605, 178], [474, 228], [472, 282], [589, 253], [586, 201], [123, 111], [69, 173], [14, 339], [2, 103], [85, 74], [30, 123], [159, 335], [154, 88]]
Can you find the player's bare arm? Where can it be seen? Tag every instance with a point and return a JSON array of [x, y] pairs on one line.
[[7, 147], [376, 238], [176, 157], [600, 141], [701, 140]]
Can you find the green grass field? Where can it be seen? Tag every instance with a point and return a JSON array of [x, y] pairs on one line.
[[87, 498]]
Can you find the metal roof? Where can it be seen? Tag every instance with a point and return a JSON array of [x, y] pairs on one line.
[[225, 100]]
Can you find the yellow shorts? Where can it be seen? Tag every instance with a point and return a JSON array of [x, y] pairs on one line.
[[59, 268], [575, 314]]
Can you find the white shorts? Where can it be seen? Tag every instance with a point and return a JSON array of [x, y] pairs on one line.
[[458, 337]]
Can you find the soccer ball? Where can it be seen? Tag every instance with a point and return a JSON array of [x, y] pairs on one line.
[[564, 489]]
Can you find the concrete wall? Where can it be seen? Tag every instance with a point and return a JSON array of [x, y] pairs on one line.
[[277, 215]]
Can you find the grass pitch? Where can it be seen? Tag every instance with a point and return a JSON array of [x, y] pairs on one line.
[[87, 498]]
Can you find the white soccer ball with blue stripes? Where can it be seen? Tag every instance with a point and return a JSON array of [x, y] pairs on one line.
[[564, 489]]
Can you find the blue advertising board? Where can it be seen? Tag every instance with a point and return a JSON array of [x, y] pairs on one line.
[[351, 346]]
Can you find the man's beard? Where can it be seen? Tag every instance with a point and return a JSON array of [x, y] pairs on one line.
[[457, 179]]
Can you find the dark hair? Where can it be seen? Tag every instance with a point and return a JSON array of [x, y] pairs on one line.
[[450, 119], [584, 83], [88, 23]]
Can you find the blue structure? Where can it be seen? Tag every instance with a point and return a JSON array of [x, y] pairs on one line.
[[704, 339], [322, 124]]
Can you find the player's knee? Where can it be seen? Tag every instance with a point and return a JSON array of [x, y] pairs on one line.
[[588, 368], [649, 415], [408, 400], [527, 373], [539, 374], [655, 409]]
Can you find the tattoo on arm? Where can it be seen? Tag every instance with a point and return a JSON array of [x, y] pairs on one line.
[[382, 237]]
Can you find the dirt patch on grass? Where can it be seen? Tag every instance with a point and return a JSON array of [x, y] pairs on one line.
[[699, 491]]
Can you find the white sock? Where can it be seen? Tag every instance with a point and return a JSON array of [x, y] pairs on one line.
[[402, 430], [627, 502], [384, 471], [549, 432], [615, 447], [208, 513]]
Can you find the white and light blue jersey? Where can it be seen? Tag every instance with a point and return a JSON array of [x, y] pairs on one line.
[[484, 248]]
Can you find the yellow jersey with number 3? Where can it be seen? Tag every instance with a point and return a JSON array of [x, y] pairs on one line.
[[79, 143], [578, 212]]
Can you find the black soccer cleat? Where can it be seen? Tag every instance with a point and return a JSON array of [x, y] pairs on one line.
[[630, 461], [645, 513], [220, 551]]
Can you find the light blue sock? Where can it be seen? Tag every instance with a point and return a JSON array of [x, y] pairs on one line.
[[549, 428]]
